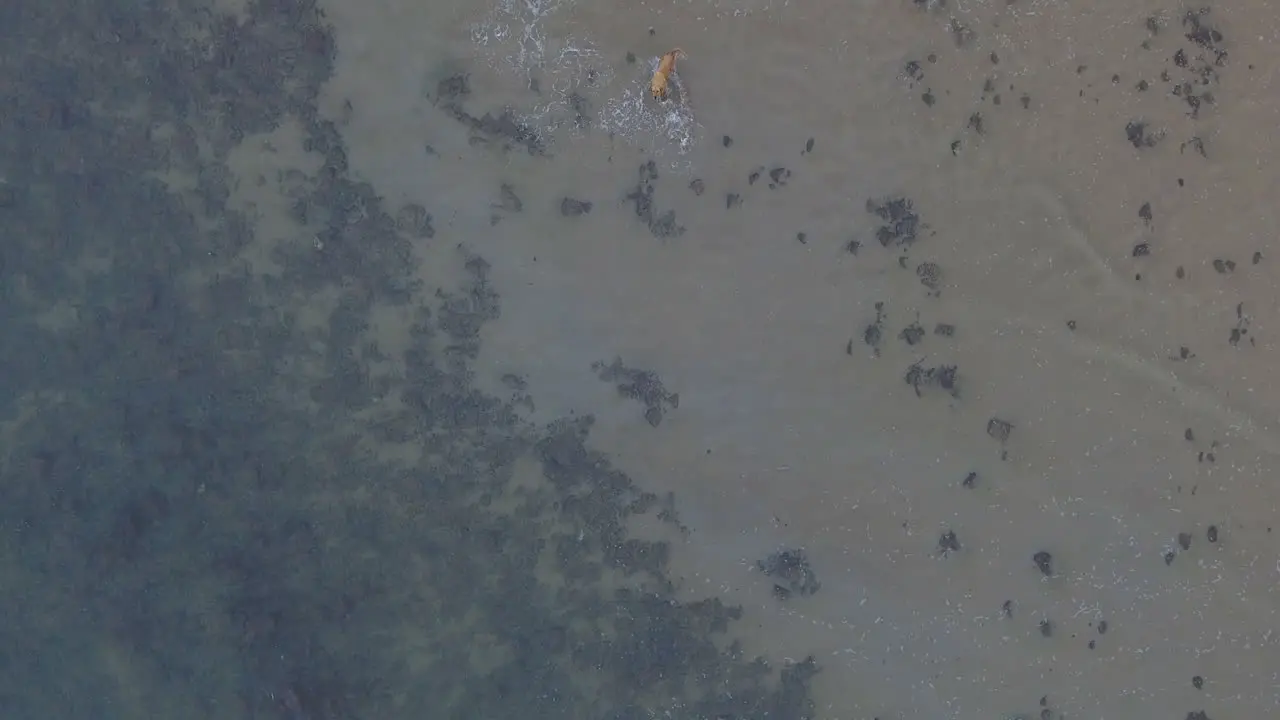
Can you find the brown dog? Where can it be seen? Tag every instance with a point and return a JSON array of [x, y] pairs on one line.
[[666, 66]]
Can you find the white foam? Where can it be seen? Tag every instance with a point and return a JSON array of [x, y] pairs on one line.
[[659, 127], [513, 37], [515, 27], [566, 71]]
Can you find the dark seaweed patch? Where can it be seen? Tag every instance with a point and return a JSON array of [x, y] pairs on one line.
[[640, 385], [901, 223], [661, 224], [570, 207], [791, 567], [229, 483], [945, 377], [503, 126]]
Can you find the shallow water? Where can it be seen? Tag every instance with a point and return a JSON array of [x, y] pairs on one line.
[[251, 477], [1033, 198]]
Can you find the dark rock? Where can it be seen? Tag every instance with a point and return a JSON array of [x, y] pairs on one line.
[[570, 207], [999, 429], [912, 334], [1043, 561]]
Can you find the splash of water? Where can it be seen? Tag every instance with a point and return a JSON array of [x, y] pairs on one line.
[[563, 72], [569, 73], [658, 126], [515, 27]]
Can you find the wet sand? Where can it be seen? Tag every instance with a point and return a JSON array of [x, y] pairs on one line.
[[1101, 245]]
